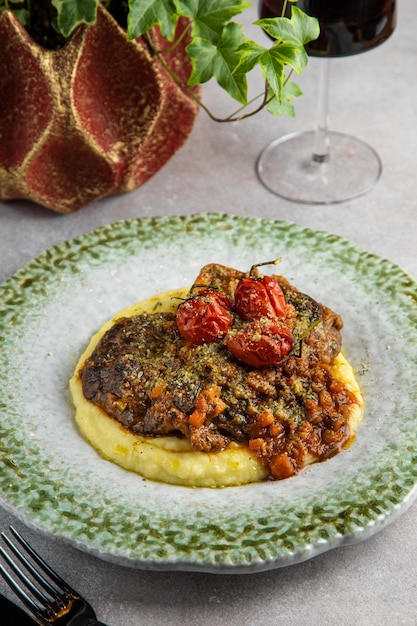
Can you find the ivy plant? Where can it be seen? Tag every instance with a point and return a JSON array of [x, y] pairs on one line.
[[218, 47]]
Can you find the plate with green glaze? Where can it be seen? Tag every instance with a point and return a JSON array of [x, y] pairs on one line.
[[55, 481]]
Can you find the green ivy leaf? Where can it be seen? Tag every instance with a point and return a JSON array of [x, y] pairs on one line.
[[284, 106], [143, 14], [72, 13], [288, 50], [250, 53], [299, 30], [274, 71], [210, 16], [220, 62], [254, 54], [203, 54], [272, 62]]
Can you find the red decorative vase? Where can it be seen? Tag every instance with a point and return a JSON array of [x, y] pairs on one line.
[[97, 117]]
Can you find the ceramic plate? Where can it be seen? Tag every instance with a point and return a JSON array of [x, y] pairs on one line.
[[56, 482]]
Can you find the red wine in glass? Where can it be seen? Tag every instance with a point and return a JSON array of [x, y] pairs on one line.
[[346, 26], [322, 167]]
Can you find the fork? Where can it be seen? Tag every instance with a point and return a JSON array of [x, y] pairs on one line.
[[51, 600]]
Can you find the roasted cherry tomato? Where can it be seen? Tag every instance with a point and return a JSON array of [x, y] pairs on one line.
[[260, 344], [205, 317], [259, 297]]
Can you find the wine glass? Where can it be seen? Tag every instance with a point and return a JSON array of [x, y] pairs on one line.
[[322, 166]]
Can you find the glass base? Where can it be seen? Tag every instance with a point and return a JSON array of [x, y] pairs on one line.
[[288, 169]]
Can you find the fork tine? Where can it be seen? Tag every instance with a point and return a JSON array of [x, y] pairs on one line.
[[52, 598], [47, 569], [33, 607], [29, 568]]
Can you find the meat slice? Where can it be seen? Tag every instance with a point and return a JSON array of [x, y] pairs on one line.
[[316, 322], [145, 375]]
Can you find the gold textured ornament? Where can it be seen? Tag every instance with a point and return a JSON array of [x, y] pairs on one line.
[[97, 117]]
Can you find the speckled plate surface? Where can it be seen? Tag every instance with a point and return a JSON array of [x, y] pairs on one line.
[[56, 482]]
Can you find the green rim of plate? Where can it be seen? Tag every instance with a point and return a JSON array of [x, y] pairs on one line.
[[55, 482]]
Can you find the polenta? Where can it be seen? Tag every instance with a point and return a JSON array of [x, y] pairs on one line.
[[193, 415]]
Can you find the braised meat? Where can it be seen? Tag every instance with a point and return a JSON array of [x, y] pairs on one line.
[[145, 375]]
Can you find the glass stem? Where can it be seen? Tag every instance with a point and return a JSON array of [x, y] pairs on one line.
[[321, 150]]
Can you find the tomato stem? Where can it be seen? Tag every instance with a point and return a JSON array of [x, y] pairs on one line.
[[256, 265], [204, 286]]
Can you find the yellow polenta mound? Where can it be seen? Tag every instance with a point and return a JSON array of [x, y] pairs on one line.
[[169, 459]]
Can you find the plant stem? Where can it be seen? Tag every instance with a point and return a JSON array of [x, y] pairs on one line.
[[176, 42], [233, 117]]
